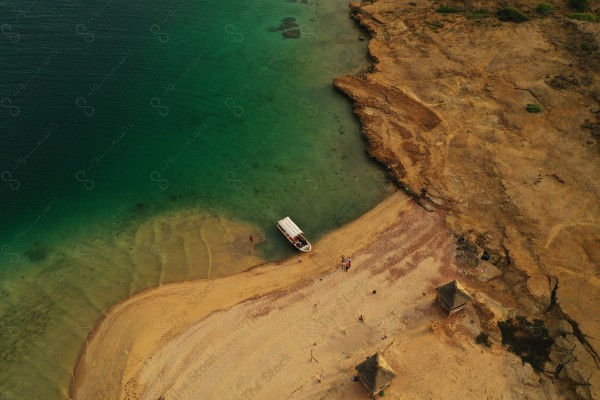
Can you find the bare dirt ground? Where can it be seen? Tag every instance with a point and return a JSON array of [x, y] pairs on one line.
[[444, 107]]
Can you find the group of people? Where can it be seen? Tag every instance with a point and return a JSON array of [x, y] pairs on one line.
[[346, 263]]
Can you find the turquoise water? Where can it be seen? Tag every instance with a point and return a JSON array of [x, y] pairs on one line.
[[114, 113]]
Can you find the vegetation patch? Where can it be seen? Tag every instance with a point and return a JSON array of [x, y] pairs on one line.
[[435, 25], [534, 108], [478, 14], [544, 9], [527, 339], [467, 253], [593, 127], [588, 46], [578, 5], [483, 339], [589, 17], [446, 10], [511, 14]]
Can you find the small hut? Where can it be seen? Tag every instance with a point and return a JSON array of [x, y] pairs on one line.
[[452, 297], [375, 373]]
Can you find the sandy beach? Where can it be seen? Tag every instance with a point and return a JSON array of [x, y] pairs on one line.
[[144, 321], [252, 335]]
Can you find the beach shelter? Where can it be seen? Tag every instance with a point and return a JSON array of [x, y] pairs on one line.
[[452, 297], [375, 373]]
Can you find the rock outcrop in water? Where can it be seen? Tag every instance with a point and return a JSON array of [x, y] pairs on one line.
[[288, 28]]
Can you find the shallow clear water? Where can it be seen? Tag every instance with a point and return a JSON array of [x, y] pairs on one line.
[[114, 114]]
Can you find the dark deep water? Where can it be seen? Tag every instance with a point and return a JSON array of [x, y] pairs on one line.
[[109, 108]]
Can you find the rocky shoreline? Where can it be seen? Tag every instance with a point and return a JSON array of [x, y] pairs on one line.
[[444, 106]]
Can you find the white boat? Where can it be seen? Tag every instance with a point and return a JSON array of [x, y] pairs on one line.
[[295, 236]]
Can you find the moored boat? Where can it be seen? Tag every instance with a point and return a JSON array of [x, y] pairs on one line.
[[293, 234]]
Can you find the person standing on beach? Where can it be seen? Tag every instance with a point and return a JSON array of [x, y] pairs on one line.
[[348, 263]]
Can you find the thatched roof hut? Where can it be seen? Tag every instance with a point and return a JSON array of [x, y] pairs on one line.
[[375, 373], [452, 297]]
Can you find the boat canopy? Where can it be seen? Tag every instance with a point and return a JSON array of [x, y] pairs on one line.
[[289, 227]]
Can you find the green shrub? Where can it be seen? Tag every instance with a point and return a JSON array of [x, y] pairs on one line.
[[435, 25], [528, 340], [511, 14], [477, 14], [578, 5], [446, 10], [588, 46], [544, 9], [584, 17], [483, 339], [534, 108]]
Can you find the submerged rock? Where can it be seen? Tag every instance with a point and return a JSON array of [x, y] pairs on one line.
[[291, 34], [286, 23], [288, 28]]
